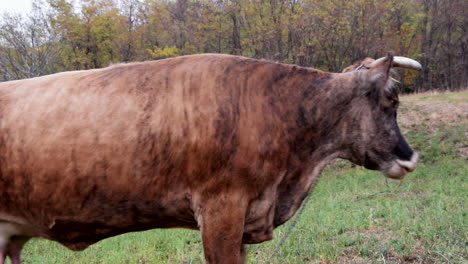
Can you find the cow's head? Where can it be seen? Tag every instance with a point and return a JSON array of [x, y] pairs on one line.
[[377, 142]]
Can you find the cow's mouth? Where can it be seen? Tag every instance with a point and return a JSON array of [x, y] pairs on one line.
[[399, 168]]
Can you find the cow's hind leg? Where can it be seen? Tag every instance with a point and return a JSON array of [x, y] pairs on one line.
[[2, 254], [14, 248], [11, 242], [222, 228]]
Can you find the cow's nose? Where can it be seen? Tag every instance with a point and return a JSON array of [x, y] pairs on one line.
[[411, 164]]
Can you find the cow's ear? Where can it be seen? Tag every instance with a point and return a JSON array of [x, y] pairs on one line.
[[379, 72], [378, 75]]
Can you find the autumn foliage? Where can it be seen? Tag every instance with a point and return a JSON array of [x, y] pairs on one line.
[[326, 34]]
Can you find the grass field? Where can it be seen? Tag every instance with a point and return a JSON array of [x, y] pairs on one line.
[[351, 215]]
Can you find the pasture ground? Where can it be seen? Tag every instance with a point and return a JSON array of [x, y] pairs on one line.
[[351, 215]]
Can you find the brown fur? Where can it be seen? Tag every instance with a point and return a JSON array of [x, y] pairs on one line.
[[225, 144], [365, 62]]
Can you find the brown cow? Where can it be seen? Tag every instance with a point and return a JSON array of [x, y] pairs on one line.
[[224, 144]]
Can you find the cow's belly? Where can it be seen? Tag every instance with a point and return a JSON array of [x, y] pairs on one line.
[[101, 219], [89, 215], [80, 235]]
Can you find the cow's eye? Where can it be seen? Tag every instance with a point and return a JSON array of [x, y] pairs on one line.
[[395, 102]]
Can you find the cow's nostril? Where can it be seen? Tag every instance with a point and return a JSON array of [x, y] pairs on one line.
[[411, 164], [405, 165]]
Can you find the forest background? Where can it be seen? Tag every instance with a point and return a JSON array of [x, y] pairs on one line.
[[62, 35]]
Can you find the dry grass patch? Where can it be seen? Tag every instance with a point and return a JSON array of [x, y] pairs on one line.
[[432, 109]]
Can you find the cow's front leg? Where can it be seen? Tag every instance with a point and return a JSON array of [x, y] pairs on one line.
[[222, 227]]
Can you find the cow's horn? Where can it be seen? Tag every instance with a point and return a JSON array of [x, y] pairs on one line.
[[401, 62], [404, 62]]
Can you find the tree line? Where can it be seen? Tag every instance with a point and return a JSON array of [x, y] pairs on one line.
[[326, 34]]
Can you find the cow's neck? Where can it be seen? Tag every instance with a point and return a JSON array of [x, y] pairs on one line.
[[319, 139], [295, 187]]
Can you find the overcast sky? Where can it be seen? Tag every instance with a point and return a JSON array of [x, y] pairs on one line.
[[23, 6]]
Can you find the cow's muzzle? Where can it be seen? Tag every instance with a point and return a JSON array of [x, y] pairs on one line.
[[399, 168]]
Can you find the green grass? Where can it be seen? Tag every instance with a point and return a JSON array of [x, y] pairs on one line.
[[448, 97], [351, 215], [414, 220]]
